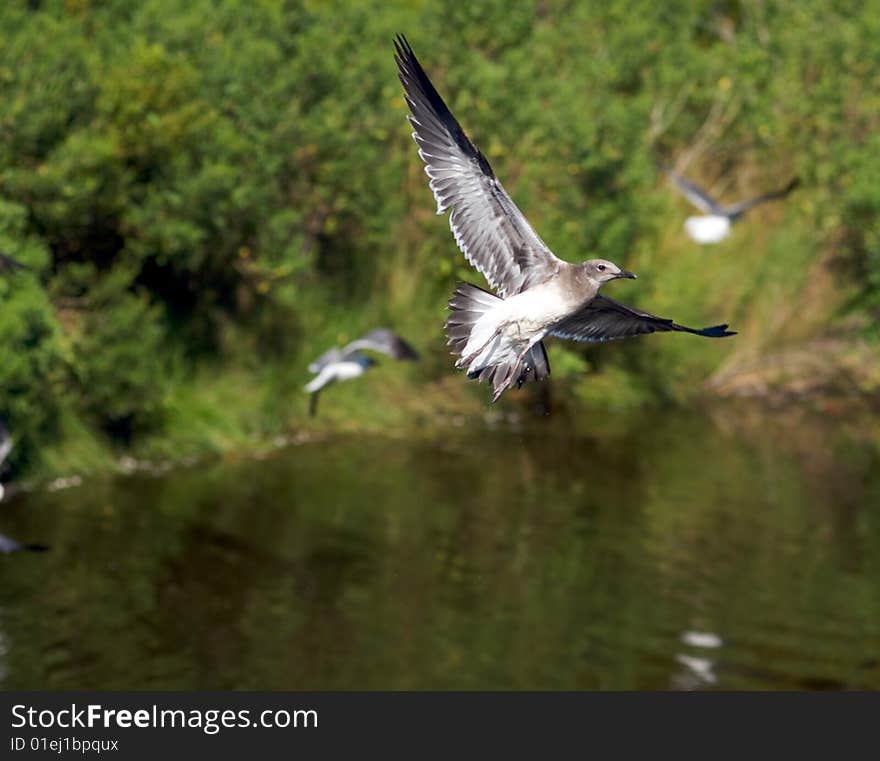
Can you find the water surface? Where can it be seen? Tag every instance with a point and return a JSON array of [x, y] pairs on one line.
[[670, 551]]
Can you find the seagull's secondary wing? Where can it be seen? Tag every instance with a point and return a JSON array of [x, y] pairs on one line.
[[735, 209], [327, 358], [604, 319], [695, 194], [325, 376], [490, 230], [382, 340]]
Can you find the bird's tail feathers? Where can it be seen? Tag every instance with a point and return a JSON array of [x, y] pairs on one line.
[[494, 357], [468, 304]]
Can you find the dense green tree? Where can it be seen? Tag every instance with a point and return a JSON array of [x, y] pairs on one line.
[[230, 183]]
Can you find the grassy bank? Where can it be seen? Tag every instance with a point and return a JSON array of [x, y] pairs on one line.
[[211, 195]]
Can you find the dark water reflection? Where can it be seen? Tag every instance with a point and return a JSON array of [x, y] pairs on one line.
[[672, 553]]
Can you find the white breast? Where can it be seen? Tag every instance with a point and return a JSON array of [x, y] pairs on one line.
[[537, 307], [523, 319], [348, 370], [708, 229]]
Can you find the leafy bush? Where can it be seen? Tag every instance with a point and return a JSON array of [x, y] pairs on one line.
[[228, 181], [119, 361]]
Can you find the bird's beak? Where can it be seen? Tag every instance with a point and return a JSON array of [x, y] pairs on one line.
[[628, 275]]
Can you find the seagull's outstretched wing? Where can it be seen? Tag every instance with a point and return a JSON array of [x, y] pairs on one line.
[[695, 194], [8, 264], [327, 358], [490, 230], [736, 209], [384, 341], [326, 375], [604, 319]]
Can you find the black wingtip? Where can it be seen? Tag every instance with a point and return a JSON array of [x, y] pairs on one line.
[[410, 354], [716, 331], [402, 47]]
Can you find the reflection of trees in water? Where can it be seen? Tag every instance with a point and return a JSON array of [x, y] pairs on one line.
[[531, 556]]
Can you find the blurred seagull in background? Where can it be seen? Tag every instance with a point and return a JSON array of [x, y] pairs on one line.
[[714, 225], [350, 362], [500, 337]]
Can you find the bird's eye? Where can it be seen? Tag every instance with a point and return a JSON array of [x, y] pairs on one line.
[[601, 268]]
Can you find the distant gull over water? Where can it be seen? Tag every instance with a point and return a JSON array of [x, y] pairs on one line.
[[349, 362], [499, 338], [714, 225]]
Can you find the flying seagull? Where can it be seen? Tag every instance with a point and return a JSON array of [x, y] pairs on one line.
[[350, 362], [382, 340], [9, 265], [714, 225], [499, 338]]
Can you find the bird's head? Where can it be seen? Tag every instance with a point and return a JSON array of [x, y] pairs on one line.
[[601, 271]]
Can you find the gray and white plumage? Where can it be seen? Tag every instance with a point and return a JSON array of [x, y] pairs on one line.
[[488, 227], [353, 365], [499, 337], [382, 340], [717, 219], [350, 362]]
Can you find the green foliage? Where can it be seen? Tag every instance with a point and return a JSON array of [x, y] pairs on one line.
[[233, 182], [32, 362], [119, 361]]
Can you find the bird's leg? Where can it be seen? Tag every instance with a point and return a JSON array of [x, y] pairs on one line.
[[465, 361], [514, 373], [522, 354]]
